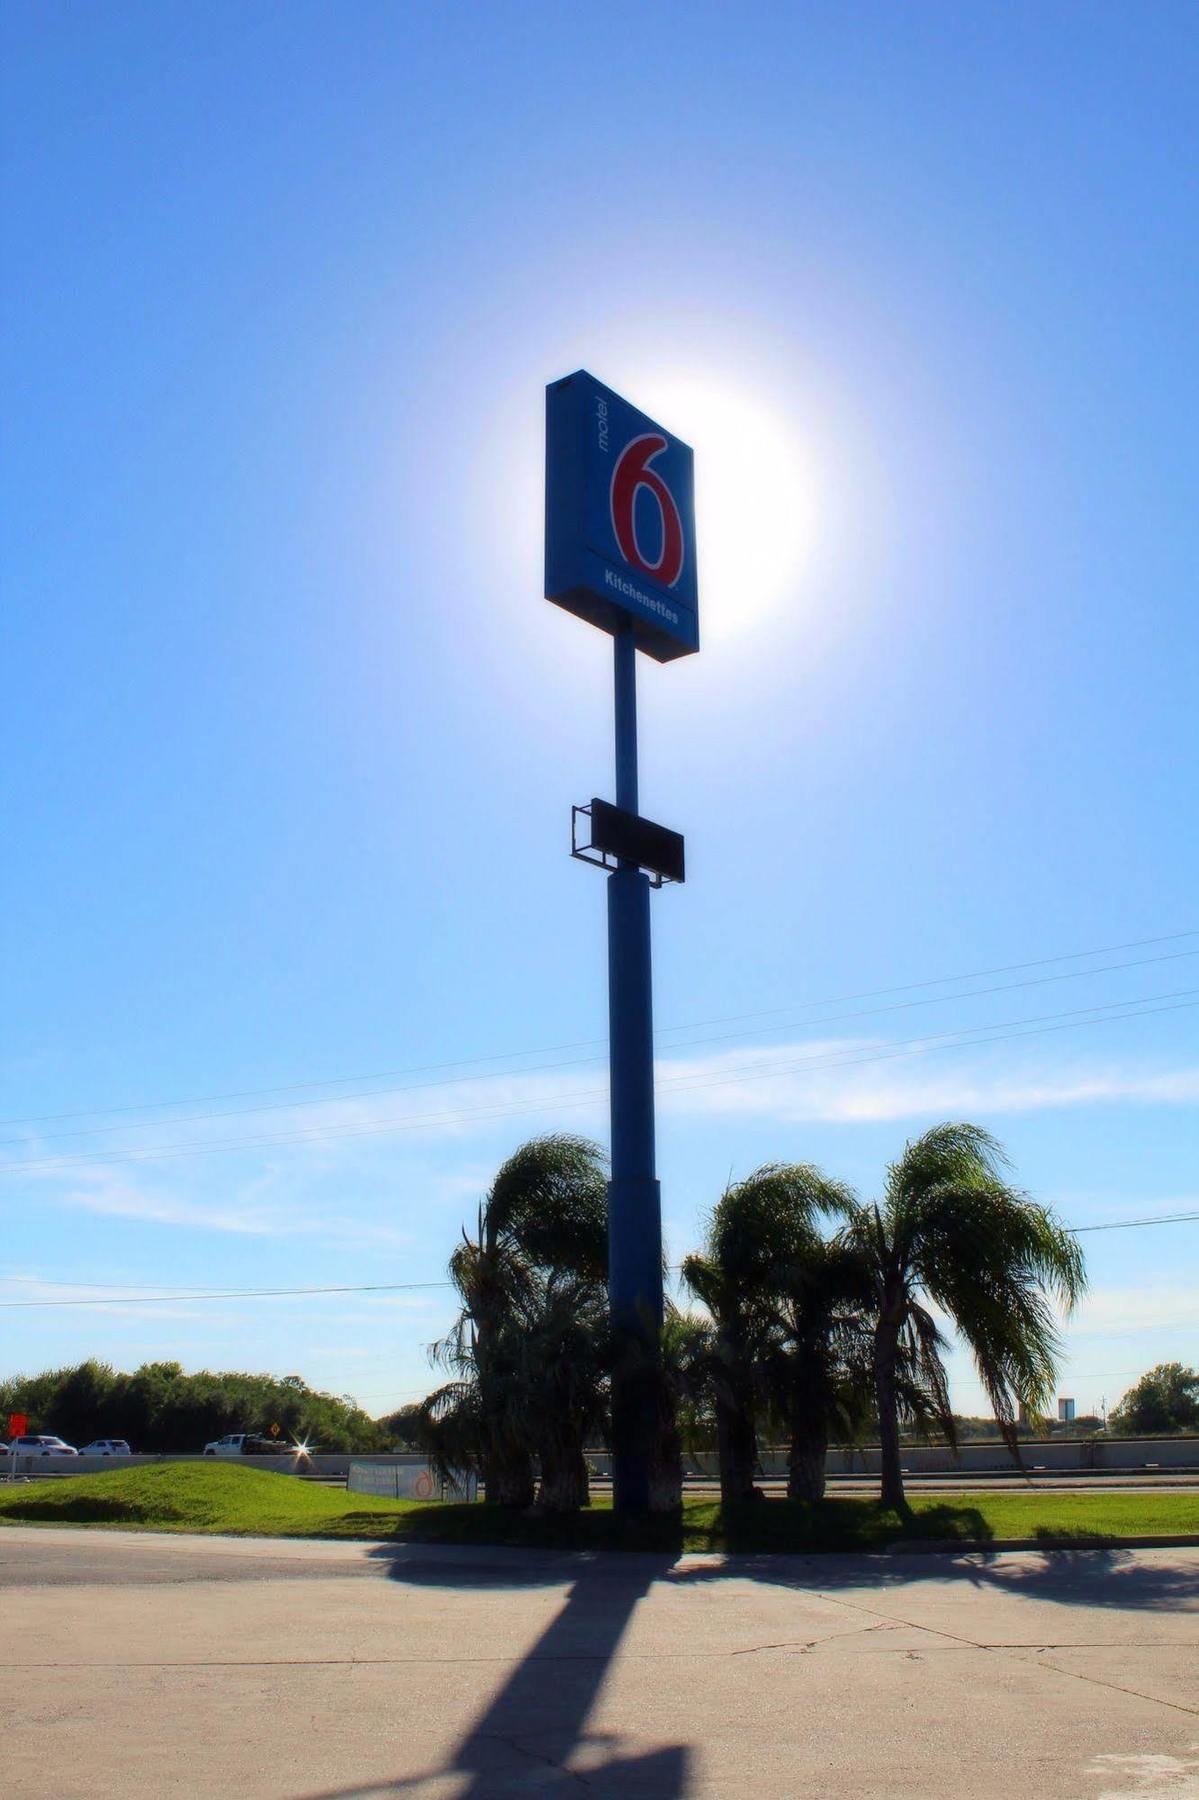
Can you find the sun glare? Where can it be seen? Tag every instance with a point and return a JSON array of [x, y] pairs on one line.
[[758, 502], [755, 499]]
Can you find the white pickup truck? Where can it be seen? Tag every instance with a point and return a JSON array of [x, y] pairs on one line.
[[248, 1443]]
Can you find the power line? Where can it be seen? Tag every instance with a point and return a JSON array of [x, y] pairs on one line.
[[393, 1394], [107, 1287], [964, 1038], [900, 1046], [371, 1287], [1190, 1323], [1006, 987], [961, 1381], [186, 1295], [909, 987], [588, 1043], [578, 1062], [1182, 1218]]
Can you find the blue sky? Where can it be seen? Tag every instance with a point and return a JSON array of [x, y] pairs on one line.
[[295, 738]]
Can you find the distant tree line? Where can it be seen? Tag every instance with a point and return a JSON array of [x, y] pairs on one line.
[[161, 1408], [978, 1428], [1164, 1401], [821, 1321]]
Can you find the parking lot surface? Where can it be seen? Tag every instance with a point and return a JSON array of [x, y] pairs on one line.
[[139, 1665]]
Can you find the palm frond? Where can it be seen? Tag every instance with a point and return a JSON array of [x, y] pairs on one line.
[[550, 1198]]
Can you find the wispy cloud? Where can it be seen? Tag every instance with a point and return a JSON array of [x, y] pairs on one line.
[[117, 1199], [1122, 1312], [820, 1088], [832, 1079], [335, 1177], [103, 1192], [405, 1302]]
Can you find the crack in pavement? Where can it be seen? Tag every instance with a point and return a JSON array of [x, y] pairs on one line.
[[512, 1742], [355, 1661], [910, 1624], [1042, 1651], [1086, 1644], [838, 1637], [310, 1662], [1039, 1661], [1117, 1687]]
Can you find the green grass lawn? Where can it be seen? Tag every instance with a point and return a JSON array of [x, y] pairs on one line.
[[249, 1502]]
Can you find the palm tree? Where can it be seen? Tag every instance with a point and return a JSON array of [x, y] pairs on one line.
[[951, 1231], [782, 1306], [682, 1379], [526, 1348], [817, 1371], [564, 1354]]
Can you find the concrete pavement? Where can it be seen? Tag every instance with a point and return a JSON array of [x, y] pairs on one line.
[[146, 1666]]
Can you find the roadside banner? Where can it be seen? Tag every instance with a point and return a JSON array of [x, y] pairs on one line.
[[413, 1480]]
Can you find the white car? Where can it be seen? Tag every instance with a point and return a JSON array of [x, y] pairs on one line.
[[107, 1447], [41, 1446]]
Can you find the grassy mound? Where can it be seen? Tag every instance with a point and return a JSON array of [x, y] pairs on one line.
[[225, 1498], [183, 1497]]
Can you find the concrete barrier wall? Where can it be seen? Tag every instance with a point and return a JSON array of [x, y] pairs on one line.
[[1140, 1453], [1064, 1454], [393, 1475], [314, 1467]]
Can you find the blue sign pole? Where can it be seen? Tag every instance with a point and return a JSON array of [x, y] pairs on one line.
[[624, 662], [620, 553], [634, 1198]]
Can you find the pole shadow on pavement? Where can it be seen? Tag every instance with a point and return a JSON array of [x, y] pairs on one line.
[[533, 1736]]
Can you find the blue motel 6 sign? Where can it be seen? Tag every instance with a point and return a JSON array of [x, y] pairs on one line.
[[619, 518]]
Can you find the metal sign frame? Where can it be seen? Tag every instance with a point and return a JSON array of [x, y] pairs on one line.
[[612, 836]]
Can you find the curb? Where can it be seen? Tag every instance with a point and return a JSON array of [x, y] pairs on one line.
[[977, 1546]]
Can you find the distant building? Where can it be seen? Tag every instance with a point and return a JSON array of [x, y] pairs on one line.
[[1065, 1411]]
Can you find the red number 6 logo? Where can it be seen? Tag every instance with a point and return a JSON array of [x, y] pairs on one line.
[[632, 471]]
